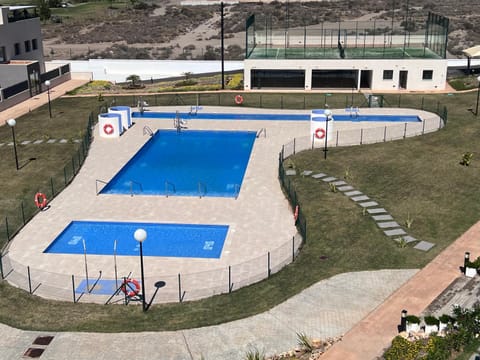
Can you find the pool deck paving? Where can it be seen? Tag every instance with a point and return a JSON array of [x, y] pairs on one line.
[[364, 306]]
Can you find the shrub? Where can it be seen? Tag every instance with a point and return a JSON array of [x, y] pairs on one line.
[[431, 320]]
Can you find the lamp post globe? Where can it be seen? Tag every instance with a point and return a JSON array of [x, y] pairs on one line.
[[140, 235], [11, 122]]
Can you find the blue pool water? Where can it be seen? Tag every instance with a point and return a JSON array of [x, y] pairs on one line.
[[189, 163], [278, 117], [172, 240]]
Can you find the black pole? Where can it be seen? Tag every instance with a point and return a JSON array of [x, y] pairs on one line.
[[144, 304], [466, 261], [222, 44], [476, 107], [325, 149], [49, 105], [403, 321], [14, 147]]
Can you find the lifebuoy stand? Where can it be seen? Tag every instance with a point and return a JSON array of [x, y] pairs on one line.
[[319, 128], [110, 125]]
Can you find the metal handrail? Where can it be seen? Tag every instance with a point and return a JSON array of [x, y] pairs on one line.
[[147, 130], [167, 183], [200, 185], [262, 130], [237, 190], [131, 186], [96, 185]]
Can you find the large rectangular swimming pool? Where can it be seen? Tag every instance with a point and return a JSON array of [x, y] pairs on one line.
[[172, 240], [187, 163]]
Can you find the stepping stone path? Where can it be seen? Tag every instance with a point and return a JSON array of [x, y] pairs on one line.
[[360, 198], [378, 214], [51, 141]]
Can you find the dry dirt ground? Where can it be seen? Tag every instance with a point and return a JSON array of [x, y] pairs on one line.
[[167, 29]]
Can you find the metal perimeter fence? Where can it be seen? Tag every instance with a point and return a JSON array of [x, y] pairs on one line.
[[175, 287], [190, 286], [18, 217], [282, 101]]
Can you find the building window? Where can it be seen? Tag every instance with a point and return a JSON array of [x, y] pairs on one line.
[[427, 75], [17, 48], [27, 45], [3, 54], [387, 74], [34, 44]]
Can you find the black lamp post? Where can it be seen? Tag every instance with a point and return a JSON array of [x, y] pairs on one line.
[[12, 123], [403, 321], [328, 114], [466, 261], [140, 235], [478, 95], [47, 84]]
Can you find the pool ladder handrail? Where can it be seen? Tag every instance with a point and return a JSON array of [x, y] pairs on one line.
[[200, 185], [166, 187], [131, 186], [262, 131], [237, 191], [147, 130], [96, 185]]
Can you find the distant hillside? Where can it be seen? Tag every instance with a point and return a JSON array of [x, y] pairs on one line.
[[166, 29]]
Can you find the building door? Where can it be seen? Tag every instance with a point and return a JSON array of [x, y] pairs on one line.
[[34, 83], [402, 81]]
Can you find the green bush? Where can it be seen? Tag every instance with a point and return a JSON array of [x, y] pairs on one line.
[[431, 320]]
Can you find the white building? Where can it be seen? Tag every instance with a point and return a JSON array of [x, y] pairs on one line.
[[22, 67], [344, 56]]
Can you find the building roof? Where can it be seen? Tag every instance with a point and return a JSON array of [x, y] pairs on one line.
[[21, 7], [473, 51]]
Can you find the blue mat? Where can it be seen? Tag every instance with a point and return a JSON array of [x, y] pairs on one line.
[[102, 287]]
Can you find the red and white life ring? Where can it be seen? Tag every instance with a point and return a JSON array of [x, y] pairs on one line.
[[128, 289], [319, 133], [108, 129], [238, 99], [40, 200]]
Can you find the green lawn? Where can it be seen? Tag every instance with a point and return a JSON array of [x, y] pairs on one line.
[[417, 176]]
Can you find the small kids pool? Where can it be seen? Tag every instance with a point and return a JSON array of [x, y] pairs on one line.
[[187, 163], [172, 240], [277, 117]]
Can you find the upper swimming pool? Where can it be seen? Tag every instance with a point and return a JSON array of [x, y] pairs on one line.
[[187, 163], [276, 117], [107, 238]]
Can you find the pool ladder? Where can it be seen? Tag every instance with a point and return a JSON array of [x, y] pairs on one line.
[[96, 185], [262, 131], [147, 130], [171, 185], [202, 186], [132, 182]]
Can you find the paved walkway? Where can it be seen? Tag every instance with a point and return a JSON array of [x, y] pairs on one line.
[[39, 100], [328, 308]]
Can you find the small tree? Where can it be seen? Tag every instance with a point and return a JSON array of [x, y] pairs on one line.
[[134, 80]]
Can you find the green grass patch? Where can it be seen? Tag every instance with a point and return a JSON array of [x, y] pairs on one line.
[[420, 178], [464, 83]]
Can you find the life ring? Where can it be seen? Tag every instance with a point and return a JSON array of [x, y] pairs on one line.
[[238, 99], [128, 290], [40, 200], [320, 133], [108, 129], [295, 214]]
